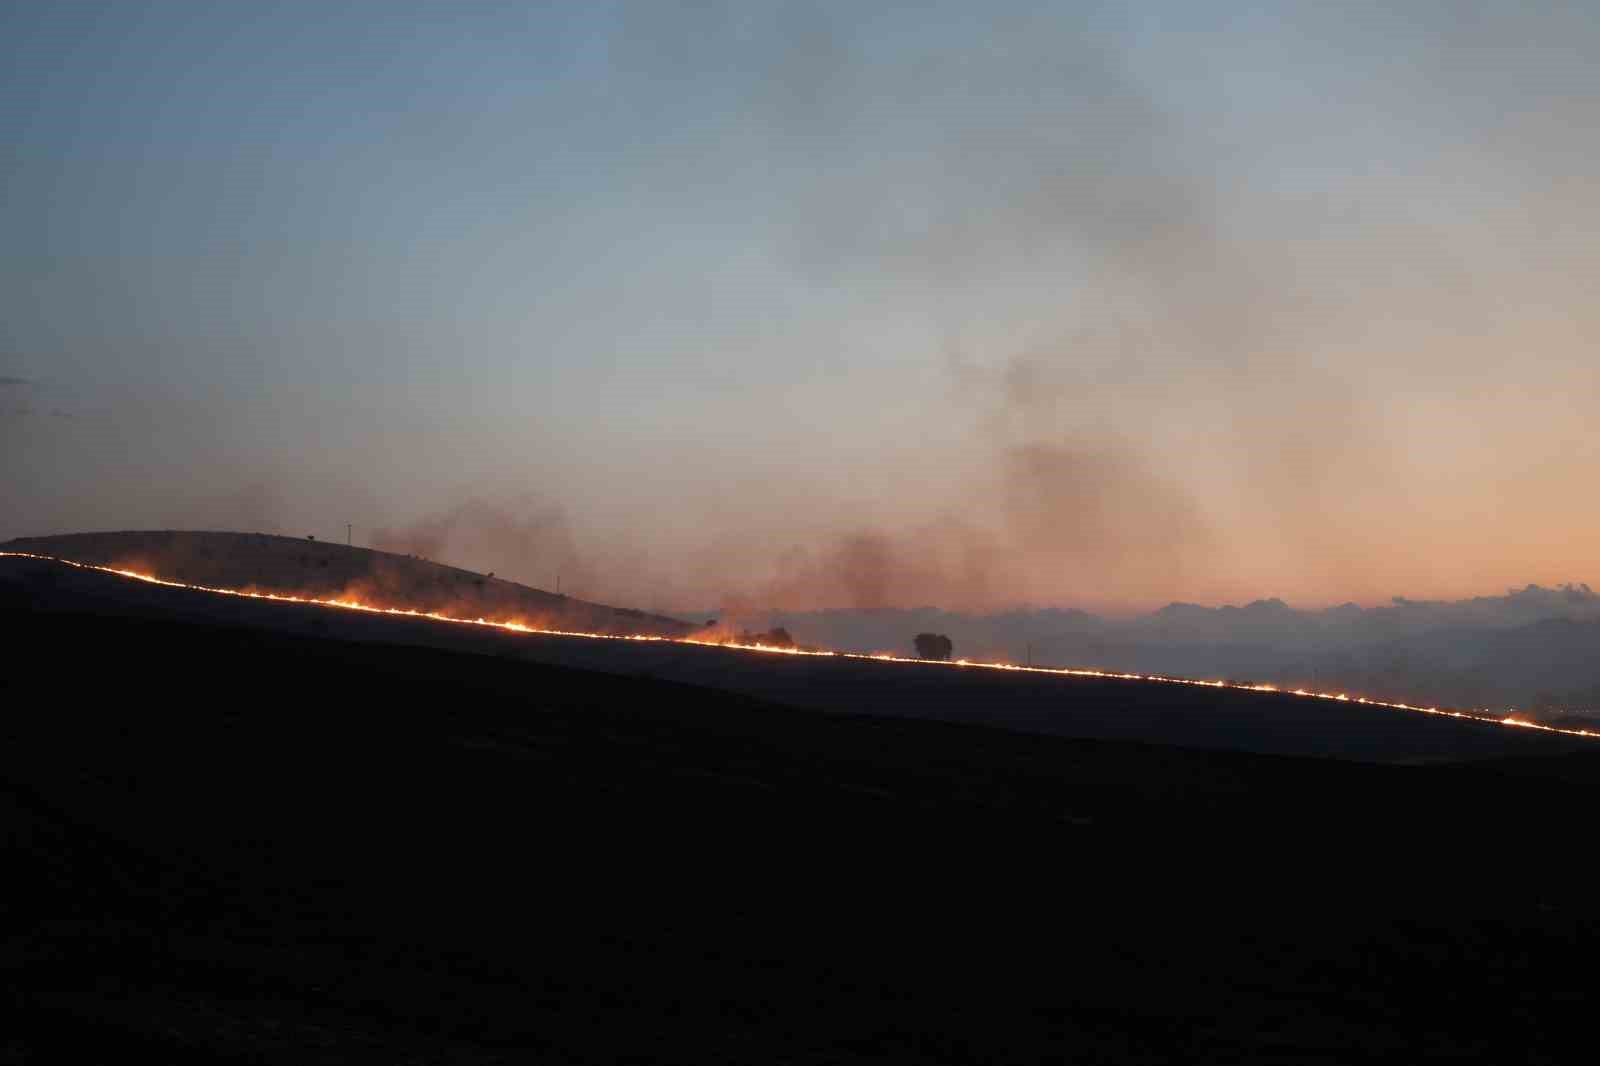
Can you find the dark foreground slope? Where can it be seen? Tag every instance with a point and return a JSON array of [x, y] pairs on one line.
[[320, 570], [235, 845], [1106, 709]]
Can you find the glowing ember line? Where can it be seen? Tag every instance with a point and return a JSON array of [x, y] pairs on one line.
[[517, 627]]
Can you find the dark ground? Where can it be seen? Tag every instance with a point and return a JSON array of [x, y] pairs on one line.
[[231, 844], [1105, 709]]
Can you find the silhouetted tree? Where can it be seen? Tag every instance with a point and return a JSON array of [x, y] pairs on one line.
[[933, 646]]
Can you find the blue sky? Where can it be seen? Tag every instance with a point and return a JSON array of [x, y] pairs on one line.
[[1099, 304]]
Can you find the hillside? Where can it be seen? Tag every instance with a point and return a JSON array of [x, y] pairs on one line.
[[1101, 708], [304, 567], [230, 843]]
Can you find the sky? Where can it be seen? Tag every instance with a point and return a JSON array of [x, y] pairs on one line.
[[818, 305]]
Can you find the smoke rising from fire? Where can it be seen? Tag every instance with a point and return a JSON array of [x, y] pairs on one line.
[[805, 306]]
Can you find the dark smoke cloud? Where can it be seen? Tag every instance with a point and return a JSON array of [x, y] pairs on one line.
[[1053, 157], [1042, 515], [525, 541], [1286, 303], [1206, 405]]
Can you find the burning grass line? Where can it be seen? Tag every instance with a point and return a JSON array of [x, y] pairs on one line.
[[1509, 719]]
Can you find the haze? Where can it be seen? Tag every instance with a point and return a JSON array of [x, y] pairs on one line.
[[805, 306]]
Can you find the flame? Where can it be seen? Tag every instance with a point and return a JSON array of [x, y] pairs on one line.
[[1509, 719]]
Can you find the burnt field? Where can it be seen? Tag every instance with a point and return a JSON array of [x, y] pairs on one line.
[[234, 841]]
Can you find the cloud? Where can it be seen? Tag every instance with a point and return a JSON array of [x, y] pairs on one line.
[[7, 381]]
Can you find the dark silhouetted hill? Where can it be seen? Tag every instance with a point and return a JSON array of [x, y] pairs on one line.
[[1107, 709], [229, 841], [303, 567]]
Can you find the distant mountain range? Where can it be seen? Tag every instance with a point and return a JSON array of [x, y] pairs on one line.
[[1534, 649]]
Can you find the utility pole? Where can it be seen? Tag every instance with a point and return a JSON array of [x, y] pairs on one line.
[[347, 534]]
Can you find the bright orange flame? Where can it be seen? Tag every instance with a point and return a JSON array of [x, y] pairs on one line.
[[518, 627]]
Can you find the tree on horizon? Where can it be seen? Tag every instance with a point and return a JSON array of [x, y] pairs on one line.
[[933, 646]]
